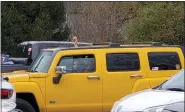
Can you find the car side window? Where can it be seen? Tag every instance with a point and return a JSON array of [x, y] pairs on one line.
[[78, 63], [164, 61], [122, 62]]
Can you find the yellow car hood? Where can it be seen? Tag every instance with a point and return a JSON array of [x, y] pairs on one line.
[[17, 76]]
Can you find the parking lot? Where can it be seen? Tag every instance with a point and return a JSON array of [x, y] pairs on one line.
[[92, 56]]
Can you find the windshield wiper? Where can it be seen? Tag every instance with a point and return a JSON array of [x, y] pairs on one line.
[[159, 87], [33, 71], [170, 110], [175, 89]]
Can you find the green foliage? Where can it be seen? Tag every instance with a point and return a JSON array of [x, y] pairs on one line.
[[24, 21], [158, 21]]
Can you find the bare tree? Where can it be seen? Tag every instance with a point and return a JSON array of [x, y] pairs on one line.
[[99, 21]]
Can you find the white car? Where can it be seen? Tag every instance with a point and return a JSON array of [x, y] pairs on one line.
[[8, 96], [155, 99]]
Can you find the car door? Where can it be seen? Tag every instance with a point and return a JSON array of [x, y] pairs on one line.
[[80, 89], [122, 69]]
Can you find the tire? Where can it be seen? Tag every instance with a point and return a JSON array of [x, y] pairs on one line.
[[23, 106]]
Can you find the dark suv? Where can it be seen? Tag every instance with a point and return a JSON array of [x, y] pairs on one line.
[[27, 51]]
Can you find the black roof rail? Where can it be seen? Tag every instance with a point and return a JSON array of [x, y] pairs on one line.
[[110, 44], [150, 43]]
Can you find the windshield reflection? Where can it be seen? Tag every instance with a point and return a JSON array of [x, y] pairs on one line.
[[42, 62], [176, 83]]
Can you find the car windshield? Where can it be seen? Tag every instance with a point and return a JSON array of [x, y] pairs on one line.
[[42, 62], [176, 83]]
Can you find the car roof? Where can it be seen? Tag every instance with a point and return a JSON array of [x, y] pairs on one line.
[[49, 42], [110, 47]]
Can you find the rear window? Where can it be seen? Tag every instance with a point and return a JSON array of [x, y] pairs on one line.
[[22, 52], [123, 62], [164, 61]]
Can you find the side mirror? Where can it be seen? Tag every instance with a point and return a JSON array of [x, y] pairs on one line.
[[60, 70]]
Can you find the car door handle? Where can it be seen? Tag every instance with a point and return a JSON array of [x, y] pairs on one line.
[[136, 75], [93, 77]]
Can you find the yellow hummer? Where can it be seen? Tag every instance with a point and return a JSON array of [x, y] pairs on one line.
[[91, 79]]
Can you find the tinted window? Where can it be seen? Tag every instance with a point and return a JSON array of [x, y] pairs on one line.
[[78, 64], [164, 61], [22, 52], [123, 62]]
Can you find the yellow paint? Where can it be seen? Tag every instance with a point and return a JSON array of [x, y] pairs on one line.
[[76, 93]]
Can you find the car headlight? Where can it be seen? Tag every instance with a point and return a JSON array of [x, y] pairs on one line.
[[155, 109]]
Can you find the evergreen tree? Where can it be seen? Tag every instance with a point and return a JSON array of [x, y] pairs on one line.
[[25, 21]]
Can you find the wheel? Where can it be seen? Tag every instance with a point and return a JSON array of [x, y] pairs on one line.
[[23, 106]]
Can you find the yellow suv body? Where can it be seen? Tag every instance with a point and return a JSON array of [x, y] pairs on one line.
[[93, 78]]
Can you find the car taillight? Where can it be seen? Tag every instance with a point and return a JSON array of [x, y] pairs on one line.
[[6, 93]]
